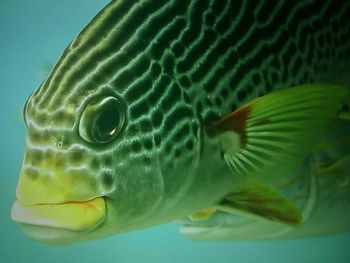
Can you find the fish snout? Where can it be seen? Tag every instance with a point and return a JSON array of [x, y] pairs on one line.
[[50, 194], [49, 178]]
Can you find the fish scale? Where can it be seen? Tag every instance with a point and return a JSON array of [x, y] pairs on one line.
[[225, 65], [177, 67], [288, 19]]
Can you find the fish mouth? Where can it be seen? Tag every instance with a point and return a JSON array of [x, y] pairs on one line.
[[44, 222]]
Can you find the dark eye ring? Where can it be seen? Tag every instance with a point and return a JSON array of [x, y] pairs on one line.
[[101, 122]]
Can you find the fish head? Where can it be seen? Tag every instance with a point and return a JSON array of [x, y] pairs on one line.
[[96, 166], [115, 138]]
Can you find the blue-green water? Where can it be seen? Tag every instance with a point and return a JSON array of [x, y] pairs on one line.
[[32, 36]]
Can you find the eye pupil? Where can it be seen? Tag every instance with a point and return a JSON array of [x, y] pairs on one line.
[[107, 123], [102, 121]]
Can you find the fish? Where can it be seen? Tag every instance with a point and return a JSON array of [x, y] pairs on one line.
[[230, 117]]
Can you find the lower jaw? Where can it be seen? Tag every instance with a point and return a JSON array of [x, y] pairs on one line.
[[52, 235]]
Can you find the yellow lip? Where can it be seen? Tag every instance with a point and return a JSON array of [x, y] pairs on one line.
[[77, 216]]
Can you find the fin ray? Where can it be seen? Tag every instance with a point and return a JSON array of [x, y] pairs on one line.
[[258, 200], [278, 129]]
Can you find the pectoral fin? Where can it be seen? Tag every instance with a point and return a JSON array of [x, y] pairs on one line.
[[272, 134], [261, 201]]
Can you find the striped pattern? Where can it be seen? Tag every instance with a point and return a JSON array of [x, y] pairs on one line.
[[176, 66]]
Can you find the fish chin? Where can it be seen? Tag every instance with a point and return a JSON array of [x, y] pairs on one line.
[[53, 235]]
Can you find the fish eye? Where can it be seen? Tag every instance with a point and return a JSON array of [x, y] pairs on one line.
[[101, 122]]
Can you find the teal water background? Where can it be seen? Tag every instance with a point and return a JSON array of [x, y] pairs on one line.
[[33, 34]]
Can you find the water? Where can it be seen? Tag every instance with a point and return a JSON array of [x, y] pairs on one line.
[[33, 34]]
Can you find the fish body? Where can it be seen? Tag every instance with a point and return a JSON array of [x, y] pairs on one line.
[[132, 126]]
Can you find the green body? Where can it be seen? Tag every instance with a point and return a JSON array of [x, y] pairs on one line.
[[175, 67]]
